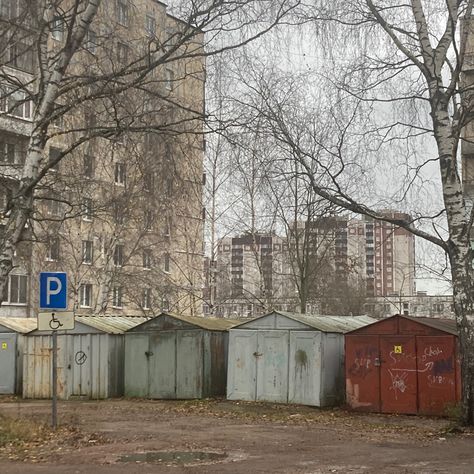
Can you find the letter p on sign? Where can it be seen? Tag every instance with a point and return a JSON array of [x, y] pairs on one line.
[[53, 290]]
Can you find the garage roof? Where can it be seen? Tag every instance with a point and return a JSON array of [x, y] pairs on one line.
[[111, 324], [338, 324], [174, 321], [20, 325]]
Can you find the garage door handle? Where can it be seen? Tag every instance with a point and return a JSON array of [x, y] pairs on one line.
[[377, 362], [148, 354], [257, 354]]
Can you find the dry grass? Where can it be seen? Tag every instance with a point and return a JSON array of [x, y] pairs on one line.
[[19, 430]]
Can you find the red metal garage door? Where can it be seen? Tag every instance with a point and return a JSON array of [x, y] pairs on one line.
[[362, 373], [436, 373], [398, 376]]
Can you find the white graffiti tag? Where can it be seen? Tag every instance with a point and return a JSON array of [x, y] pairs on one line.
[[398, 382]]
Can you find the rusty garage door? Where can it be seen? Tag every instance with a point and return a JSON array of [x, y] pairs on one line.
[[401, 373], [398, 374], [362, 373], [436, 373]]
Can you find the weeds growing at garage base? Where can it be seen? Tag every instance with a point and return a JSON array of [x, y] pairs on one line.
[[18, 430]]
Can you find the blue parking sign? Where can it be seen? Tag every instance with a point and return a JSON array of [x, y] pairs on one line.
[[53, 290]]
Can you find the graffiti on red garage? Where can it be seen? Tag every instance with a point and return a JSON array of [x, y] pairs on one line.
[[403, 365]]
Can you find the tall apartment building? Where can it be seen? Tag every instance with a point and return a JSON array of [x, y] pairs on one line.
[[390, 257], [342, 255], [252, 270], [467, 143], [122, 213], [366, 250]]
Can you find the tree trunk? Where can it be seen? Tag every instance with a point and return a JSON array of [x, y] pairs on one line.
[[458, 245], [22, 206], [461, 268]]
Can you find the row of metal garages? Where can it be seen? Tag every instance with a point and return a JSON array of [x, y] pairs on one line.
[[397, 365]]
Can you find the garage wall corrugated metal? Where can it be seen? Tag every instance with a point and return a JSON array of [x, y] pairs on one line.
[[286, 357], [89, 365], [403, 365], [12, 331], [177, 357], [182, 363]]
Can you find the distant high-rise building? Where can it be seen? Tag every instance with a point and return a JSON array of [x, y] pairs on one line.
[[365, 256], [251, 266], [390, 257], [467, 142]]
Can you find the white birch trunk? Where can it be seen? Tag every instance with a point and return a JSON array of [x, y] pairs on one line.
[[22, 206]]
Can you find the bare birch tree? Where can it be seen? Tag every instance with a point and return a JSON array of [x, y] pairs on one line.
[[402, 62], [87, 74]]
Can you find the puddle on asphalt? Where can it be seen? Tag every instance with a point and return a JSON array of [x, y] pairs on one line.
[[174, 457]]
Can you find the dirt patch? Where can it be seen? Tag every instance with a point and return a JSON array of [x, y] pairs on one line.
[[107, 436]]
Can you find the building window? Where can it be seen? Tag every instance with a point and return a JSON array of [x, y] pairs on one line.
[[118, 255], [57, 28], [15, 103], [169, 79], [87, 251], [87, 209], [54, 154], [5, 196], [147, 259], [120, 174], [148, 220], [148, 180], [167, 227], [58, 122], [15, 291], [150, 25], [165, 305], [54, 207], [7, 152], [119, 215], [9, 9], [89, 166], [122, 53], [85, 295], [117, 297], [166, 263], [91, 41], [21, 56], [122, 12], [146, 298], [53, 250]]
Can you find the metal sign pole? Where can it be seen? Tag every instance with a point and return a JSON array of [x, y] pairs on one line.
[[53, 296], [54, 417]]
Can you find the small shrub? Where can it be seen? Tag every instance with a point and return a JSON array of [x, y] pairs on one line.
[[453, 411]]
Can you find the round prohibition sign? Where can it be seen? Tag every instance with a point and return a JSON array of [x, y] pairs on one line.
[[80, 357]]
